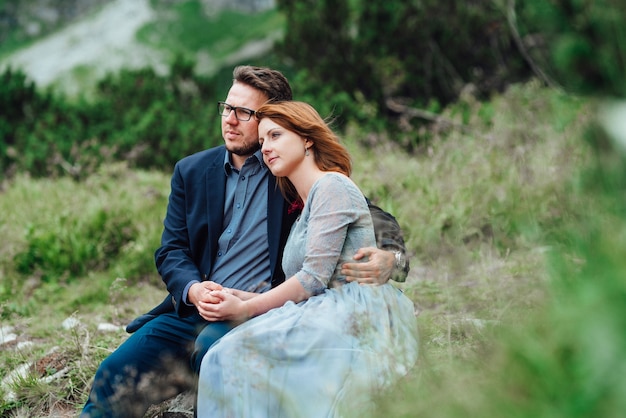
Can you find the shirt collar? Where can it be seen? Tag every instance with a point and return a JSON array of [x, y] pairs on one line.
[[256, 157]]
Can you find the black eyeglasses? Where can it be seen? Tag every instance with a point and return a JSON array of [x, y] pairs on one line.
[[241, 113]]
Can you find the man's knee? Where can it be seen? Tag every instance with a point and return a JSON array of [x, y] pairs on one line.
[[209, 335]]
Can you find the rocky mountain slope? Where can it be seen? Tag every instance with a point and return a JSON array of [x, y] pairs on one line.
[[103, 39], [96, 44]]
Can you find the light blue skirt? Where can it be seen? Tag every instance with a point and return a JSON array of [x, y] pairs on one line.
[[323, 357]]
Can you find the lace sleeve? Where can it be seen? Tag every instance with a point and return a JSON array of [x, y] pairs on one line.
[[338, 223]]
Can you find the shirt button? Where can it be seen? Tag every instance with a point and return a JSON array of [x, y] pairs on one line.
[[219, 254], [243, 178]]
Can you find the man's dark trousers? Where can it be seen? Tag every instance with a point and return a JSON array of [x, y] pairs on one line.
[[166, 352]]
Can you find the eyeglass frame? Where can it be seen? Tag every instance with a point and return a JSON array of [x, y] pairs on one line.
[[234, 109]]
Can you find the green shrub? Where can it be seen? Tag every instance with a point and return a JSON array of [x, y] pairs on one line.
[[585, 44], [155, 120], [20, 102], [411, 52], [70, 247], [145, 119], [61, 234]]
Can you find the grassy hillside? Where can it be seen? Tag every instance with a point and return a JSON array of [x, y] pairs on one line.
[[486, 209]]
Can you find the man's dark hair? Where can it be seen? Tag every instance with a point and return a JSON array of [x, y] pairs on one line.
[[271, 82]]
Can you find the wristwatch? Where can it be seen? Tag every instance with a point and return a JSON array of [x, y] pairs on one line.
[[400, 263]]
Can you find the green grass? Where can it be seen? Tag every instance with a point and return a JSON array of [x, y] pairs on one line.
[[37, 303], [58, 226], [516, 266]]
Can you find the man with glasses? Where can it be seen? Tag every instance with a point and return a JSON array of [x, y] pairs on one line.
[[226, 226]]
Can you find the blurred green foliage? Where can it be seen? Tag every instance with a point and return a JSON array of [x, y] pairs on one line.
[[73, 247], [586, 44], [407, 51], [138, 116], [154, 120], [360, 62], [63, 230], [502, 335], [567, 356]]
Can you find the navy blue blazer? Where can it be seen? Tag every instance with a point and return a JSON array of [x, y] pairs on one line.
[[193, 225]]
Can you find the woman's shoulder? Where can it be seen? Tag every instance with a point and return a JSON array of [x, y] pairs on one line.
[[336, 185], [333, 179]]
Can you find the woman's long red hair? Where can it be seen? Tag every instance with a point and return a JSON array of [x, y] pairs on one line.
[[303, 119]]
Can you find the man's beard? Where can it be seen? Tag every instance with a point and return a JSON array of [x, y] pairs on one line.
[[244, 150]]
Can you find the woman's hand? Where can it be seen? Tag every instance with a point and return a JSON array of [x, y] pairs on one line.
[[226, 307]]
